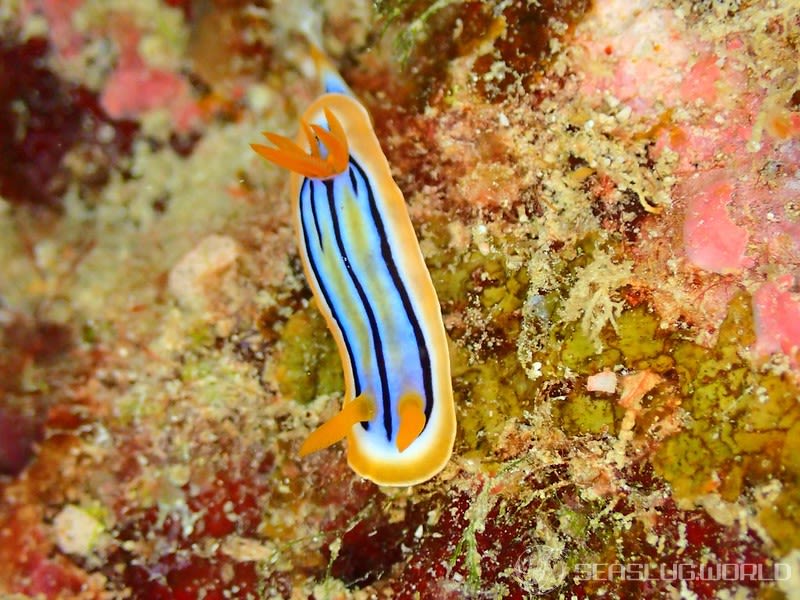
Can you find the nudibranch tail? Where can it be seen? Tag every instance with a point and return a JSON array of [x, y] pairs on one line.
[[289, 155], [336, 429]]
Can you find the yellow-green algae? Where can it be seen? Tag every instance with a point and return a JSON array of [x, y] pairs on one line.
[[739, 417], [308, 365], [489, 384]]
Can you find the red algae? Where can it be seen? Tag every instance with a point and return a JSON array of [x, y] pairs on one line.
[[56, 116], [213, 577], [777, 318], [523, 46], [134, 87], [18, 434], [228, 505], [712, 241], [25, 345], [701, 81], [26, 564], [29, 165]]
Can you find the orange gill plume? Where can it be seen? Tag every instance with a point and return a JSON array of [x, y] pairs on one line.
[[289, 155]]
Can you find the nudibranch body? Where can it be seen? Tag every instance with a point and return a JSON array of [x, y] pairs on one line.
[[366, 271]]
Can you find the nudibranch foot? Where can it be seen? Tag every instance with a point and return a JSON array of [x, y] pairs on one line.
[[289, 155], [360, 409]]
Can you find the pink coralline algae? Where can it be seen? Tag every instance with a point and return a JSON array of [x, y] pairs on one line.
[[701, 83], [134, 87], [67, 41], [648, 53], [777, 318], [712, 241]]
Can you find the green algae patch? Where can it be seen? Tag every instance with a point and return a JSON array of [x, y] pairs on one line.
[[638, 338], [781, 519], [201, 336], [573, 523], [582, 413], [579, 351], [636, 342], [487, 396], [307, 364], [790, 454], [733, 418], [485, 297], [737, 418], [571, 321]]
